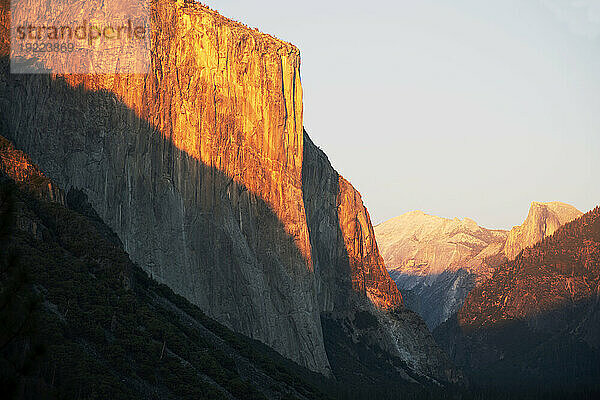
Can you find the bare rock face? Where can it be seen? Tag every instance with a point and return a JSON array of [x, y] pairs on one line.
[[436, 261], [422, 245], [543, 220], [347, 263], [200, 168], [196, 166], [367, 269]]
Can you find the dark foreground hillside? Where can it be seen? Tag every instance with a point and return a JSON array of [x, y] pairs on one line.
[[80, 321]]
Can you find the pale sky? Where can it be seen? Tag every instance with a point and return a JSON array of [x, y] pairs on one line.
[[462, 108]]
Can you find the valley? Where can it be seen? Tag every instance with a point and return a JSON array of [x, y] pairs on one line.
[[180, 234]]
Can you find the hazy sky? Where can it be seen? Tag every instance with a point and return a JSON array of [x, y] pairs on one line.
[[457, 108]]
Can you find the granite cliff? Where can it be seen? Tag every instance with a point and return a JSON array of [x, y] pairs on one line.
[[106, 329], [358, 298], [203, 170], [193, 165]]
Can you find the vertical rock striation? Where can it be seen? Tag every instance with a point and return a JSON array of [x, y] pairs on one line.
[[367, 269], [201, 168], [346, 257], [196, 166], [356, 294]]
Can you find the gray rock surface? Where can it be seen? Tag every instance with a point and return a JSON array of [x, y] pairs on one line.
[[199, 168], [351, 276]]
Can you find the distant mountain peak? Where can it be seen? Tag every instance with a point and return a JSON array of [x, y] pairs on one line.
[[415, 213], [556, 206], [423, 252], [418, 239], [436, 261]]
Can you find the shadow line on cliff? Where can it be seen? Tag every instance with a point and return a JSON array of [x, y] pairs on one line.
[[320, 189], [128, 167], [342, 238], [235, 234]]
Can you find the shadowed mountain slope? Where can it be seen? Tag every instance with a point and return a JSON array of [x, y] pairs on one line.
[[535, 324], [100, 326], [80, 320]]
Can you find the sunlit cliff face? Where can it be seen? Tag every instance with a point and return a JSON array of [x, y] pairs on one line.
[[542, 220], [369, 275], [200, 219], [226, 95], [231, 97]]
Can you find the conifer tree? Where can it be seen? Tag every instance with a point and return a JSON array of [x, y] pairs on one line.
[[18, 304]]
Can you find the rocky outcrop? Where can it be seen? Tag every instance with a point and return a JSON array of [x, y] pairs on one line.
[[17, 166], [346, 256], [543, 220], [436, 261], [200, 169]]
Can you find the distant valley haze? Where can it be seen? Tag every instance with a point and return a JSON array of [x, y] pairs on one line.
[[462, 109]]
